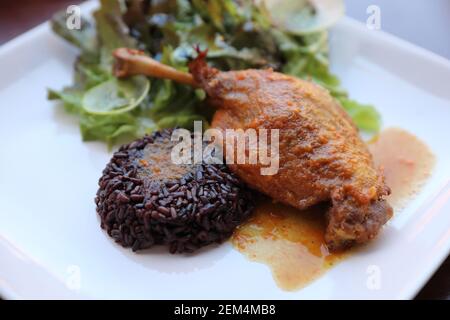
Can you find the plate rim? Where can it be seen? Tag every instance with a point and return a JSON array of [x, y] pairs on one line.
[[426, 272]]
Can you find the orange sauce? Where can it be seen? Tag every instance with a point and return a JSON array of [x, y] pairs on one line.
[[291, 242], [157, 163], [406, 161]]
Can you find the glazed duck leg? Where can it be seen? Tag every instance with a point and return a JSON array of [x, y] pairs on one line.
[[322, 157]]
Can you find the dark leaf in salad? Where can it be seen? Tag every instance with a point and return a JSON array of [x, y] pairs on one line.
[[238, 34]]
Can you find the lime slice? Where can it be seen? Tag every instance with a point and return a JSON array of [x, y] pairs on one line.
[[304, 16], [116, 96]]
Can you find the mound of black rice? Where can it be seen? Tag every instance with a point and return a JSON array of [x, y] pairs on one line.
[[144, 199]]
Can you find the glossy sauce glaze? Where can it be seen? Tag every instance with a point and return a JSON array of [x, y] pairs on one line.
[[406, 161], [291, 242]]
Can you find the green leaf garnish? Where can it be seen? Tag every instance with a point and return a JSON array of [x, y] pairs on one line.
[[116, 96], [288, 36]]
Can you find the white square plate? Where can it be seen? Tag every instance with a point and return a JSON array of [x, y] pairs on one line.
[[51, 245]]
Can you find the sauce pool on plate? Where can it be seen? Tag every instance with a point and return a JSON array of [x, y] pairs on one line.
[[291, 242], [407, 162]]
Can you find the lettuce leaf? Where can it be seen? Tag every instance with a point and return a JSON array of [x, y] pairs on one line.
[[238, 34]]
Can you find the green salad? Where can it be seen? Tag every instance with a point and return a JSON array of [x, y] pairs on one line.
[[238, 34]]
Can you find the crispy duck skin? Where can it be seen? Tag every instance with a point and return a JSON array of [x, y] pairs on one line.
[[322, 157]]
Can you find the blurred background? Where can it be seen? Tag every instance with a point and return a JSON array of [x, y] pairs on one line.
[[422, 22]]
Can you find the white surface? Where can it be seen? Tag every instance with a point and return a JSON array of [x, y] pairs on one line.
[[422, 22], [48, 180]]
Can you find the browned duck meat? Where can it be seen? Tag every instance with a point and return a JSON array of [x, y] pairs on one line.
[[321, 155]]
